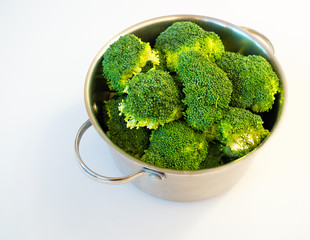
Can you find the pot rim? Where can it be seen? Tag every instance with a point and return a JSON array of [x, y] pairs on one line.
[[180, 17]]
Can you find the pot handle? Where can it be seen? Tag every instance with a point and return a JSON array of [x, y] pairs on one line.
[[103, 179], [261, 37]]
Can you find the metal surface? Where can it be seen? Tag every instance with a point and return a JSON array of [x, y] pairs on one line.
[[181, 185], [261, 37]]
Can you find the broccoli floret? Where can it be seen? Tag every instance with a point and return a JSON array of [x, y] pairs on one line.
[[185, 36], [153, 99], [176, 146], [254, 81], [132, 141], [201, 117], [207, 89], [204, 79], [125, 58], [214, 157], [161, 62], [240, 131], [161, 65]]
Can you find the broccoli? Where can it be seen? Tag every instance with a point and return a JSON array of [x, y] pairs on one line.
[[132, 141], [201, 117], [161, 65], [240, 131], [153, 99], [215, 156], [185, 36], [207, 89], [254, 81], [125, 58], [186, 103], [176, 146]]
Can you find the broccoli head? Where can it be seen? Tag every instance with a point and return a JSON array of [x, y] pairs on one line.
[[207, 89], [201, 117], [125, 58], [240, 131], [132, 141], [185, 36], [153, 99], [215, 156], [176, 146], [254, 81]]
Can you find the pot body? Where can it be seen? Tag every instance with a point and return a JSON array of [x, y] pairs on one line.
[[185, 186], [178, 185]]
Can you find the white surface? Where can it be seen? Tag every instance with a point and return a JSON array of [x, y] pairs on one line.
[[46, 48]]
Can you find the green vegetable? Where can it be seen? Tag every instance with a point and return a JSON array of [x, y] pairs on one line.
[[215, 156], [254, 81], [125, 58], [185, 103], [152, 99], [207, 89], [132, 141], [184, 36], [160, 66], [176, 146], [240, 131]]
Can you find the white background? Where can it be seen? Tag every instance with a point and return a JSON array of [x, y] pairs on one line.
[[46, 48]]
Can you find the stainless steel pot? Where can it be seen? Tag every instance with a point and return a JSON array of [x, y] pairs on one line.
[[170, 184]]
